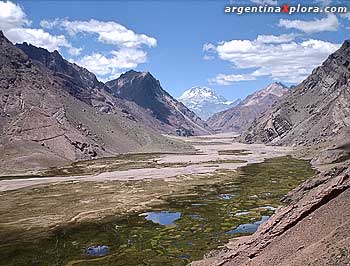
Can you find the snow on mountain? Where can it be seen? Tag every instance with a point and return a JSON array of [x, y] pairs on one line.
[[205, 101]]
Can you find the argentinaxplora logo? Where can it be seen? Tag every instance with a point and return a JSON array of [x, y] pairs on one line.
[[285, 8]]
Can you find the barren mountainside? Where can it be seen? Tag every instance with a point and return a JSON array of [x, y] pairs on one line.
[[238, 118], [53, 112], [143, 89], [315, 111]]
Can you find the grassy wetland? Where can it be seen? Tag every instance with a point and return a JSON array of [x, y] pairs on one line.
[[170, 221]]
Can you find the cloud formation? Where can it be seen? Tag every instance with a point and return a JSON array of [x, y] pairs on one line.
[[276, 38], [127, 51], [224, 79], [279, 57], [112, 64], [329, 23], [128, 47], [108, 32], [16, 26], [12, 16]]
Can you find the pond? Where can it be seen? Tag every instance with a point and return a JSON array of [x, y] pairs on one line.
[[184, 229], [162, 217]]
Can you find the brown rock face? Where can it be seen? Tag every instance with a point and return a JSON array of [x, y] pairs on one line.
[[240, 117], [63, 113], [81, 83], [315, 111], [144, 90]]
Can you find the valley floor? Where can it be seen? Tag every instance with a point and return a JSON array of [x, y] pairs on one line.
[[213, 153], [32, 207], [312, 228]]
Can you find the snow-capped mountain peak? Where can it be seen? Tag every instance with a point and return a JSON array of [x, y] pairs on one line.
[[201, 94], [204, 101]]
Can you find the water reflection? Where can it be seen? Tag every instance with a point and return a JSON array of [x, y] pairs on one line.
[[97, 251], [162, 217], [248, 228]]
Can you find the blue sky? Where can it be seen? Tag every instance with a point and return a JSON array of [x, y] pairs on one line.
[[182, 43]]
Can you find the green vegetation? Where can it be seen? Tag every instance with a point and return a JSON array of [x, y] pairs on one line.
[[208, 211]]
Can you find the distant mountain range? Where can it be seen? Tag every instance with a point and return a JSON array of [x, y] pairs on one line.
[[239, 117], [205, 102], [53, 112]]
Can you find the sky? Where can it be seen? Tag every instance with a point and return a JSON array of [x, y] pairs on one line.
[[182, 43]]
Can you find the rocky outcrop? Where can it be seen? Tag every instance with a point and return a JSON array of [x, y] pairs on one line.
[[311, 230], [240, 117], [144, 90], [316, 111]]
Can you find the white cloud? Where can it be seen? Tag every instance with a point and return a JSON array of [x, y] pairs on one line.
[[208, 47], [49, 24], [11, 16], [108, 32], [107, 67], [276, 38], [287, 62], [74, 50], [223, 79], [330, 23], [14, 23], [128, 51]]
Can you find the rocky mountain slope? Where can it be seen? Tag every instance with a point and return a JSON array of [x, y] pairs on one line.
[[238, 118], [53, 112], [205, 102], [83, 85], [315, 111], [143, 89], [80, 82]]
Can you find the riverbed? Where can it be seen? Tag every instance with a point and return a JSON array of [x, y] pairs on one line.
[[147, 220]]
